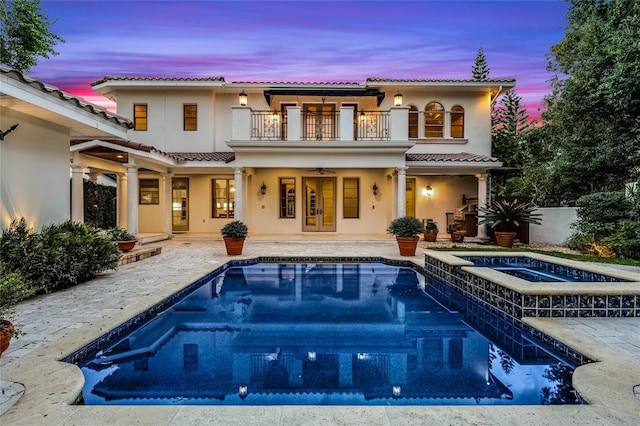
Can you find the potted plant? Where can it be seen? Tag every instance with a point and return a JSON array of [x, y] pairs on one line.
[[125, 240], [407, 230], [430, 230], [457, 234], [504, 216], [234, 234], [13, 289]]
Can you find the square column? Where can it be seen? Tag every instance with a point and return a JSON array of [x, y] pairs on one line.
[[132, 197], [401, 209], [121, 200], [238, 207], [77, 193], [482, 201]]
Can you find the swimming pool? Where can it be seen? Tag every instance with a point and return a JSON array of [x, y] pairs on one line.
[[320, 333]]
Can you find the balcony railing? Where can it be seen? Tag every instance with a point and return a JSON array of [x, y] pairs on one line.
[[267, 126], [372, 125], [304, 124], [321, 126]]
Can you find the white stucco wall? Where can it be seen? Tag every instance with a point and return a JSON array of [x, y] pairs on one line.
[[556, 225], [34, 171]]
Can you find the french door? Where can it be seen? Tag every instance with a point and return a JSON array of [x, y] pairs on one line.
[[319, 204], [319, 122]]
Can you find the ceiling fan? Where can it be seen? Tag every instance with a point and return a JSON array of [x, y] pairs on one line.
[[321, 170]]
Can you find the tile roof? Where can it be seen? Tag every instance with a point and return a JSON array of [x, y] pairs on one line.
[[393, 80], [138, 78], [457, 157], [227, 157], [67, 97], [127, 144]]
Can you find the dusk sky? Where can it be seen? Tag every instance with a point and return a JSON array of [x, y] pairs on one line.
[[302, 41]]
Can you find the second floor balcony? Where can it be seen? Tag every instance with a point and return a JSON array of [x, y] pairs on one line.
[[319, 123]]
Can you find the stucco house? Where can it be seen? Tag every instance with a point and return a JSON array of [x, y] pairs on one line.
[[37, 123], [296, 158]]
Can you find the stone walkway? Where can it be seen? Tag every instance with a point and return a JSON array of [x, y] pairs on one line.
[[58, 323]]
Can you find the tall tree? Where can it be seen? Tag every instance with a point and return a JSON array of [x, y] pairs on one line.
[[509, 120], [594, 107], [24, 34], [480, 69]]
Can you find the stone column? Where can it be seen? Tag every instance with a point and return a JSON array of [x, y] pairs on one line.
[[121, 200], [402, 192], [132, 197], [77, 193], [482, 201], [238, 207]]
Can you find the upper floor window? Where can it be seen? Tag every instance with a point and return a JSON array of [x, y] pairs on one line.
[[149, 191], [413, 122], [457, 122], [351, 196], [139, 116], [223, 198], [434, 120], [190, 114]]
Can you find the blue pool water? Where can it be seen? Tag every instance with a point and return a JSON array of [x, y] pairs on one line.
[[338, 334], [536, 270]]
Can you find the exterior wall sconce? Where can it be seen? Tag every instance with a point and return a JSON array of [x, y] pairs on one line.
[[429, 191], [243, 98], [397, 99], [4, 133], [263, 188], [362, 116], [375, 189]]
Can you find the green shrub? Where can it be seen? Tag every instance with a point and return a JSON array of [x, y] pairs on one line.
[[406, 226], [608, 225], [118, 234], [59, 256], [235, 229]]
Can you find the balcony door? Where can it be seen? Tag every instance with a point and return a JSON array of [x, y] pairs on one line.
[[319, 122], [319, 204]]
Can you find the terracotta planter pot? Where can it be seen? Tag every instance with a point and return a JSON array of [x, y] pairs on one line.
[[233, 245], [458, 236], [505, 239], [126, 246], [430, 236], [6, 333], [407, 245]]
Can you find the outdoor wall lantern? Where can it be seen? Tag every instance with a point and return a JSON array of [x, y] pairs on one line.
[[362, 116], [429, 191], [397, 99], [243, 391], [243, 98], [375, 189], [263, 188]]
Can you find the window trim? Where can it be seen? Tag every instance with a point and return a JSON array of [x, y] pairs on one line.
[[185, 117], [356, 198], [284, 202], [451, 125], [155, 194], [230, 200], [428, 128], [137, 125]]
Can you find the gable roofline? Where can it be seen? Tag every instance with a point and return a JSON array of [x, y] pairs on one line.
[[66, 97]]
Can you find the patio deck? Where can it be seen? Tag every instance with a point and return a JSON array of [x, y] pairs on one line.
[[59, 323]]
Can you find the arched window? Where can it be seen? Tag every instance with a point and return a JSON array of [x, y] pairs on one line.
[[413, 122], [434, 120], [457, 122]]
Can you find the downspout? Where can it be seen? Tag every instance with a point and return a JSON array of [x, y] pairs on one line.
[[495, 98]]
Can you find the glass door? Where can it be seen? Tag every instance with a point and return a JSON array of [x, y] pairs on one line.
[[319, 122], [180, 204], [319, 204], [411, 197]]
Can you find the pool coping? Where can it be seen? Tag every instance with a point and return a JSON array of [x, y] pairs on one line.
[[52, 385]]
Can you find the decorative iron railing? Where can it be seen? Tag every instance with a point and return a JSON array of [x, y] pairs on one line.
[[372, 125], [267, 125], [321, 125]]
